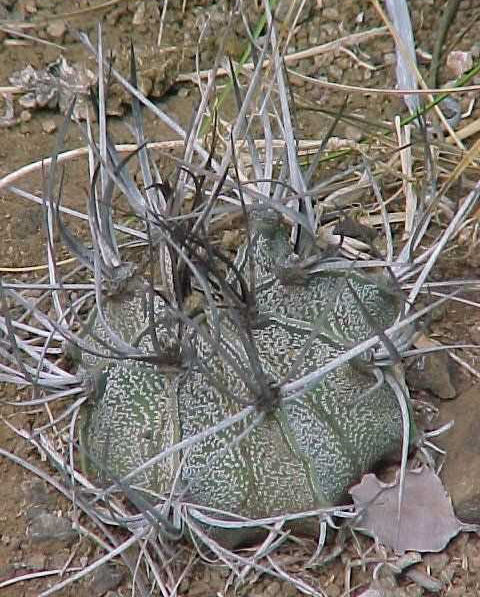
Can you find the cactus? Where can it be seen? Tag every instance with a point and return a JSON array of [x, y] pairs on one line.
[[300, 454]]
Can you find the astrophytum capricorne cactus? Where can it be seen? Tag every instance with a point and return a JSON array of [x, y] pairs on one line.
[[287, 455]]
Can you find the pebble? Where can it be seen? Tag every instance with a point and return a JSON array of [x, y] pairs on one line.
[[35, 492], [106, 578], [57, 29], [373, 592], [25, 116], [436, 561], [353, 133], [459, 62], [330, 14], [199, 588], [424, 580], [461, 471], [272, 589], [139, 15], [432, 372], [49, 527], [333, 591], [30, 6], [49, 126]]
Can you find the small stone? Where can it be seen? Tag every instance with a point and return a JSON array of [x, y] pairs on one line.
[[49, 126], [36, 493], [29, 6], [199, 588], [330, 14], [449, 572], [474, 332], [432, 372], [436, 561], [57, 29], [231, 239], [25, 116], [5, 540], [390, 58], [461, 471], [283, 9], [139, 15], [288, 590], [360, 18], [373, 591], [184, 585], [425, 581], [106, 578], [459, 62], [183, 92], [353, 133], [333, 591], [48, 527], [335, 73], [272, 589]]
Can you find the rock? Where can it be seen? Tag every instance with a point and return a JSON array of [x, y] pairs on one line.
[[273, 589], [283, 9], [390, 58], [334, 591], [49, 126], [36, 494], [461, 472], [56, 29], [354, 133], [25, 116], [474, 332], [424, 580], [330, 14], [459, 62], [106, 578], [49, 527], [198, 589], [436, 561], [431, 372], [28, 7], [372, 592]]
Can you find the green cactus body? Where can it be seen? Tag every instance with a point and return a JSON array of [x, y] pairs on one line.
[[126, 314], [132, 417], [306, 451]]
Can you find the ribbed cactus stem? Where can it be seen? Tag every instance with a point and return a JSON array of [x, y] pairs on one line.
[[297, 455]]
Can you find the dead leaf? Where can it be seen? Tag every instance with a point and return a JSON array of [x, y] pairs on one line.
[[427, 519]]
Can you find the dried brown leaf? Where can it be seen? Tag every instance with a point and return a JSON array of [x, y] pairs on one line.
[[427, 520]]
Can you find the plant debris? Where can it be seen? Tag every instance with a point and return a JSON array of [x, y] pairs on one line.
[[427, 520]]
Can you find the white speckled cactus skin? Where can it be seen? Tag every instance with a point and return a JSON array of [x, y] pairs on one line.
[[305, 452]]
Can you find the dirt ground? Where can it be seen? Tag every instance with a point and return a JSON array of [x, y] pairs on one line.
[[33, 138]]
